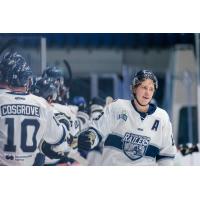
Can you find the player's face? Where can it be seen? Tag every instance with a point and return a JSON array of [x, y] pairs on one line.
[[144, 92]]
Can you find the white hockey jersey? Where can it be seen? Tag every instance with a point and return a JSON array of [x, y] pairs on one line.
[[130, 139], [25, 120]]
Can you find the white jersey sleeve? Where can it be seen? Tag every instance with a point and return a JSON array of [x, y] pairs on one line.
[[56, 132], [101, 125], [96, 110], [105, 121], [168, 149]]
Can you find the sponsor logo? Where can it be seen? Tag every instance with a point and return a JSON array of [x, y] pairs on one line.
[[9, 157]]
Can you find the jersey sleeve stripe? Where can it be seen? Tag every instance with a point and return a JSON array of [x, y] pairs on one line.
[[116, 141]]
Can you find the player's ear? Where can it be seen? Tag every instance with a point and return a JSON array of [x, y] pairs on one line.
[[131, 88]]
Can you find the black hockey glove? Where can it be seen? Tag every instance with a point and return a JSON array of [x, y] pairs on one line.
[[184, 149], [86, 140]]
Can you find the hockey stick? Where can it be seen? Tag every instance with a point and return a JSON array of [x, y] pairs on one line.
[[69, 69], [73, 154]]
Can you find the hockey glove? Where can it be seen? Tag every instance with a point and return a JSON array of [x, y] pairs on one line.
[[184, 149], [86, 141]]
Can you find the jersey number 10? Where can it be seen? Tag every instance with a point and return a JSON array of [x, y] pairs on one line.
[[10, 146]]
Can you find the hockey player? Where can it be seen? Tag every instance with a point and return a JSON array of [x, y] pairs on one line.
[[27, 122], [55, 75], [45, 88], [132, 132]]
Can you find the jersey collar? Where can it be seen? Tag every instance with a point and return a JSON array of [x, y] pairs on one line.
[[150, 111]]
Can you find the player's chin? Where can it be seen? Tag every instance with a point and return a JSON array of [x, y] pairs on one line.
[[145, 102]]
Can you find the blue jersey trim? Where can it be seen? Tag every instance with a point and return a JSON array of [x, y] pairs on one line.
[[152, 108], [152, 151], [116, 141]]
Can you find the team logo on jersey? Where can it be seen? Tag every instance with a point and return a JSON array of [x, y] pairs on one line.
[[135, 146], [123, 115]]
